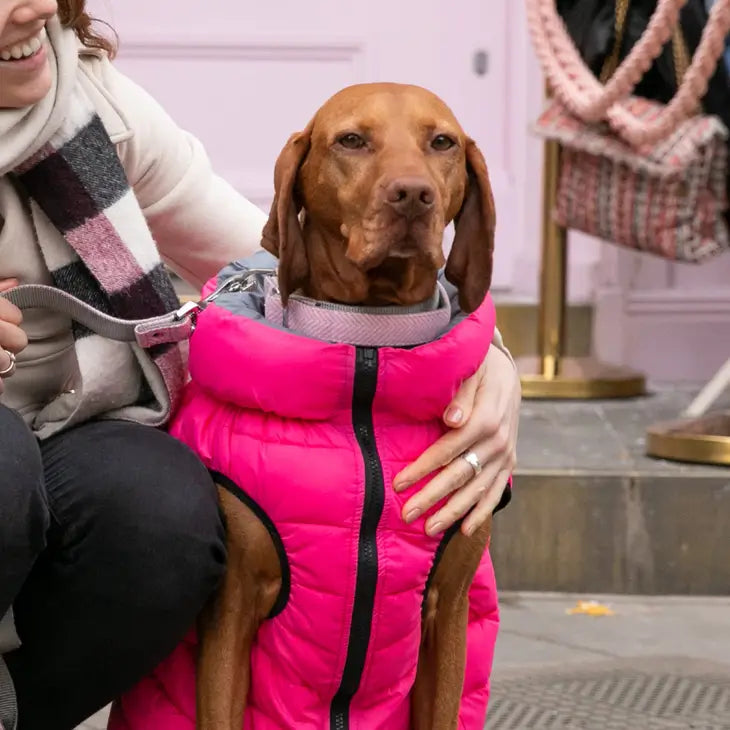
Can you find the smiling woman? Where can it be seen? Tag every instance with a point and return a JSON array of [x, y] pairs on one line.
[[27, 49], [95, 539], [25, 73]]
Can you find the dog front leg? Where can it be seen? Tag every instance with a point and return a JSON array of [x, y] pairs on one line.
[[437, 691], [229, 622]]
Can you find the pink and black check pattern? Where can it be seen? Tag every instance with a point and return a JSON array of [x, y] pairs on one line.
[[106, 255]]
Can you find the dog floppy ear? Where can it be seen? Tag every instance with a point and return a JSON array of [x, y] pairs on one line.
[[469, 266], [282, 234]]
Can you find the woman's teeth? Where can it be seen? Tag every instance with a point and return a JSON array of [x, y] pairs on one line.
[[25, 49]]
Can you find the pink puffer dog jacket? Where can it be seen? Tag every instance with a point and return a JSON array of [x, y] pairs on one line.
[[313, 434]]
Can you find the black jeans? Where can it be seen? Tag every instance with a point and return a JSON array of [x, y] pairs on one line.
[[110, 543]]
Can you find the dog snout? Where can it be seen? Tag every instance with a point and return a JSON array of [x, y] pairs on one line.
[[410, 196]]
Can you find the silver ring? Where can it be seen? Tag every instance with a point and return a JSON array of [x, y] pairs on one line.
[[473, 460], [10, 369]]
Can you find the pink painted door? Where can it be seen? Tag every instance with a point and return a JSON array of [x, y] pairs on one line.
[[242, 76]]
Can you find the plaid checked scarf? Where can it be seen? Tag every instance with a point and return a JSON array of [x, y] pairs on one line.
[[104, 255]]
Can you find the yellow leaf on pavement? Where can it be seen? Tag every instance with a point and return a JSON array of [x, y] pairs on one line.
[[590, 608]]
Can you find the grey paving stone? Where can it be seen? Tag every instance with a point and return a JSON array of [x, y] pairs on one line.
[[656, 663], [606, 436], [640, 627]]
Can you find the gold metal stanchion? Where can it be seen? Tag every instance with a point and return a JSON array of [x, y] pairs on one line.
[[702, 440], [550, 375], [700, 435], [553, 272]]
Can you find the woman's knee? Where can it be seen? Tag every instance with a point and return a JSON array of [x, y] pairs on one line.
[[189, 530], [21, 468], [24, 525], [148, 503]]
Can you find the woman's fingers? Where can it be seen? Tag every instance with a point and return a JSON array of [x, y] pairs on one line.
[[488, 503], [454, 476], [12, 337], [458, 412], [463, 499]]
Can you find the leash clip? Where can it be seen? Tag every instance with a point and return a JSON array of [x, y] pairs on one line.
[[242, 282], [188, 311]]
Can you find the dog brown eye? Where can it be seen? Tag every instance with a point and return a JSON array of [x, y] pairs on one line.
[[351, 141], [442, 142]]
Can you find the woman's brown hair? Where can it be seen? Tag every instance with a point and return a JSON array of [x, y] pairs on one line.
[[73, 15]]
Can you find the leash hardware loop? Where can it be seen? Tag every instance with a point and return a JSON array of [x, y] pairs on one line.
[[237, 283]]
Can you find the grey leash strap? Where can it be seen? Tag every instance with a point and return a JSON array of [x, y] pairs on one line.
[[37, 296], [173, 327]]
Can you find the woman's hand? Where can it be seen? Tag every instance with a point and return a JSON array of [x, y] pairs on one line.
[[12, 338], [484, 416]]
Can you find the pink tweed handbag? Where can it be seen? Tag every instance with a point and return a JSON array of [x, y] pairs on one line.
[[643, 175]]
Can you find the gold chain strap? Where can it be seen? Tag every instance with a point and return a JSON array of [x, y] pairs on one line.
[[611, 63], [680, 54]]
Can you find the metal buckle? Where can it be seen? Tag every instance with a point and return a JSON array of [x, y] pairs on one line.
[[187, 310], [236, 283]]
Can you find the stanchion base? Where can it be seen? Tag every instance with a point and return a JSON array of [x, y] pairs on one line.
[[579, 379], [703, 440]]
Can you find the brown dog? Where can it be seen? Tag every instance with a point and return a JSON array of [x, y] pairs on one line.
[[363, 195]]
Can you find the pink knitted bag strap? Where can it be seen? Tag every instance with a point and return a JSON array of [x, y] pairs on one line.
[[566, 72], [578, 89]]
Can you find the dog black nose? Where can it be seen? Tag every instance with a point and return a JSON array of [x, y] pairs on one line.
[[410, 196]]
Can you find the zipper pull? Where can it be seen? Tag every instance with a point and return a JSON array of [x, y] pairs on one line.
[[368, 356]]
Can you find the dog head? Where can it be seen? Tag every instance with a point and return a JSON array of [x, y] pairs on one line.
[[364, 193]]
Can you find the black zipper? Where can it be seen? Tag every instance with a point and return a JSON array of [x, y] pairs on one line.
[[366, 379]]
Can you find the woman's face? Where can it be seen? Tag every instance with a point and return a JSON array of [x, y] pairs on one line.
[[25, 76]]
